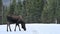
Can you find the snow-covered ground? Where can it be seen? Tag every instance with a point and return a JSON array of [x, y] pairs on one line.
[[33, 29]]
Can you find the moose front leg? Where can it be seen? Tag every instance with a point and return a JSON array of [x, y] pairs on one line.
[[15, 27], [19, 27], [9, 27]]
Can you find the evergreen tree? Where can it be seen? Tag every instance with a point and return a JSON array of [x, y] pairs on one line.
[[34, 9], [50, 12], [1, 11], [0, 7]]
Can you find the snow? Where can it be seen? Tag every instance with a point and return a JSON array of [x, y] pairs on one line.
[[33, 29]]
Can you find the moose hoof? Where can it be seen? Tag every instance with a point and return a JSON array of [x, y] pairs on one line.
[[7, 30], [19, 30], [14, 30], [10, 30], [24, 30]]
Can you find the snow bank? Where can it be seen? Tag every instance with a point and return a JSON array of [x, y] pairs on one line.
[[33, 29]]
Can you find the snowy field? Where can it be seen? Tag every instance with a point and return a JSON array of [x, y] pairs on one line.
[[33, 29]]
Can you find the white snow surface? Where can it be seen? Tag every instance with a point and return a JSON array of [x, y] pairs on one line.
[[32, 29]]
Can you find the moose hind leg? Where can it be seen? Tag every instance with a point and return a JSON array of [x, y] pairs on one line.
[[7, 27]]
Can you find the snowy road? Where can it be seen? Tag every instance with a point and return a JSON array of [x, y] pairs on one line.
[[33, 29]]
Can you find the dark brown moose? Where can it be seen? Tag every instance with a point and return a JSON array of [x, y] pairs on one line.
[[15, 19]]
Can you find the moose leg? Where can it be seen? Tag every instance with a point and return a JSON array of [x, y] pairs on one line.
[[9, 27], [19, 27], [15, 27]]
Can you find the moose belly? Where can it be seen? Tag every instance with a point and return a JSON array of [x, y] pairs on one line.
[[12, 20]]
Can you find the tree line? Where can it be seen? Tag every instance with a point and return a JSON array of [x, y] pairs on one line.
[[34, 11]]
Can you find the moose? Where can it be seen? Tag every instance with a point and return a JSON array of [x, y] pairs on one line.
[[15, 19]]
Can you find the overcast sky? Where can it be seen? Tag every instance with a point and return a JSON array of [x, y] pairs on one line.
[[7, 2]]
